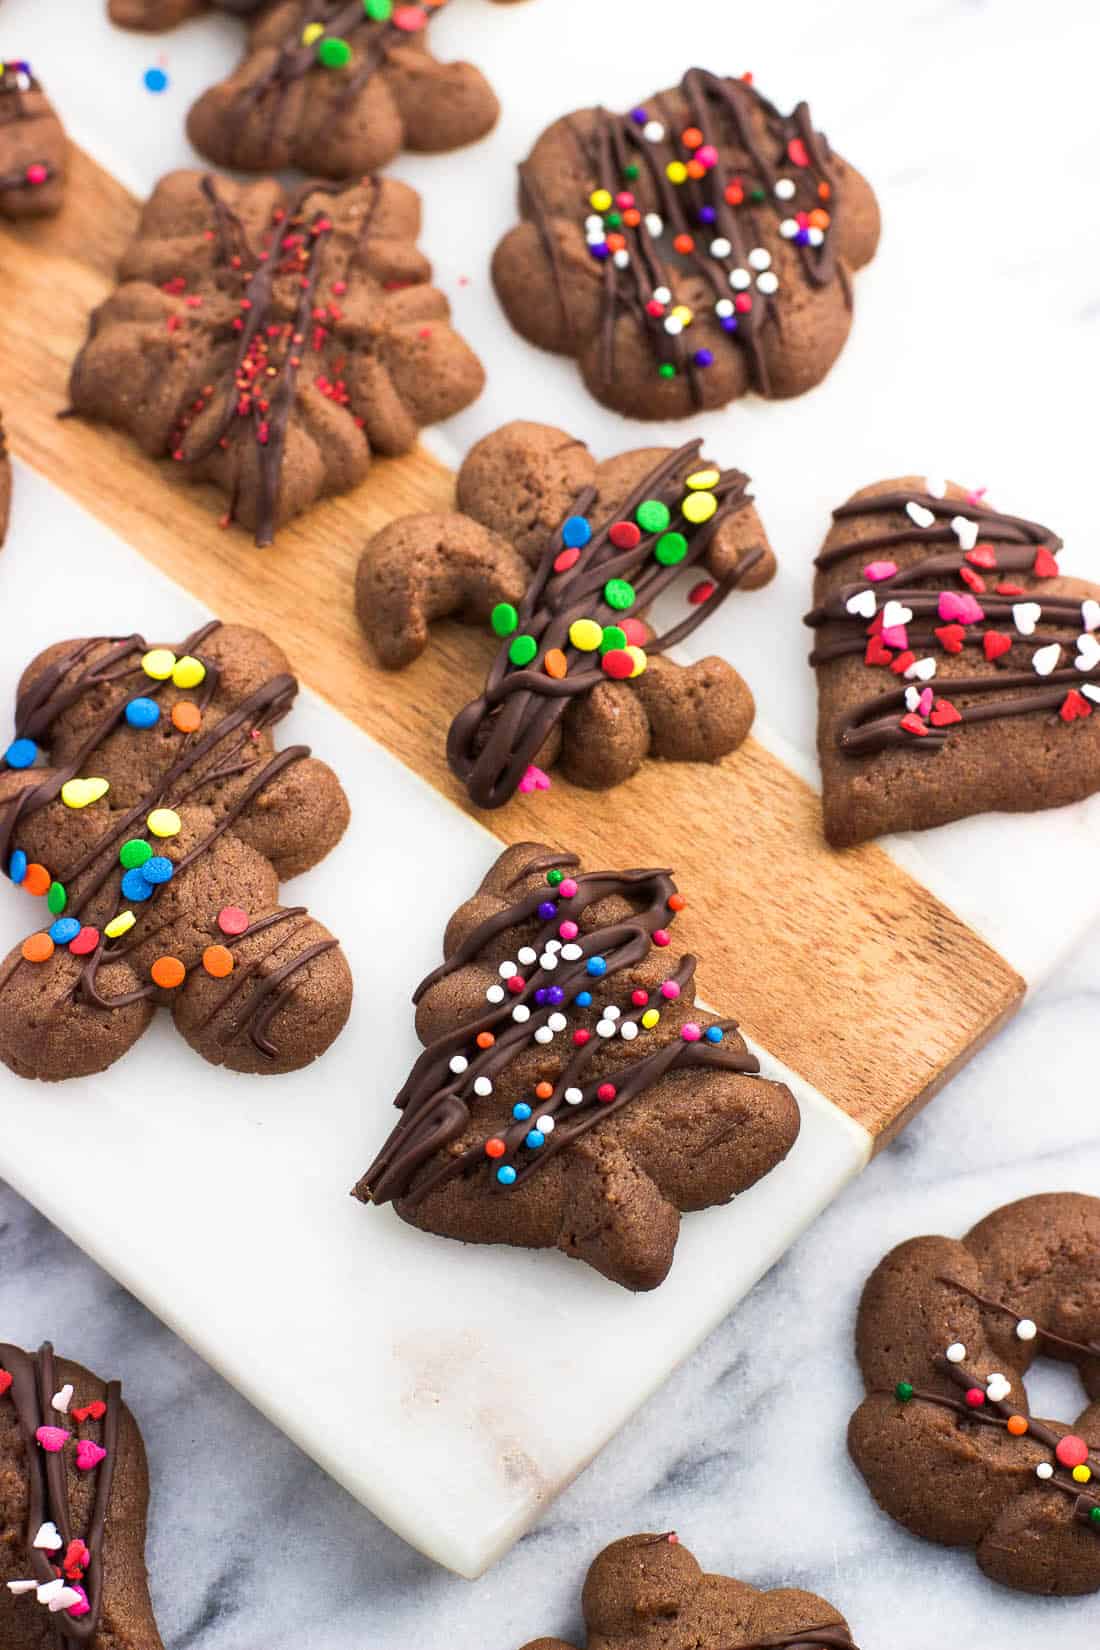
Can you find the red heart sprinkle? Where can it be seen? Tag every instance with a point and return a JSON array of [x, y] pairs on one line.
[[972, 580], [1010, 590], [913, 724], [901, 664], [982, 555], [877, 653], [1074, 705], [953, 636], [875, 626], [1045, 566], [94, 1411], [995, 644], [567, 559], [5, 1381], [944, 713]]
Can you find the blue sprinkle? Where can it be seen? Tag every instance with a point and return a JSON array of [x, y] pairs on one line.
[[707, 214], [802, 237], [134, 885], [17, 866], [547, 910], [521, 1112], [536, 1139], [713, 1034], [64, 930], [599, 249], [157, 869], [576, 533], [596, 965], [506, 1175], [583, 999], [729, 323], [704, 358], [143, 713], [639, 116], [21, 753], [541, 995], [155, 80]]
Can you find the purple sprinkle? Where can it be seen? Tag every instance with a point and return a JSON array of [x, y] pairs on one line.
[[540, 995], [705, 357], [803, 237], [707, 214], [555, 994], [547, 910], [729, 322], [638, 116], [600, 249]]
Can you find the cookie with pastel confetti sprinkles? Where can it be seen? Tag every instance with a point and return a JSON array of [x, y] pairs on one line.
[[271, 342], [694, 249], [147, 811], [334, 88], [647, 1592], [958, 669], [34, 150], [561, 558], [74, 1488], [947, 1333], [572, 1095]]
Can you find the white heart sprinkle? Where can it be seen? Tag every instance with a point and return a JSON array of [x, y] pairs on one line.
[[918, 514], [1025, 616], [1090, 614], [894, 614], [47, 1538], [64, 1600], [965, 530], [1026, 1330], [18, 1587], [1091, 692], [1046, 659], [933, 486], [922, 670], [912, 698], [955, 1353], [1088, 652], [61, 1400], [863, 605]]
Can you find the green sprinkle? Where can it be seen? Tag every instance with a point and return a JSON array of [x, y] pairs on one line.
[[379, 11], [618, 593], [652, 516], [333, 53], [670, 549], [134, 853], [523, 650], [504, 619], [666, 370], [613, 219], [1094, 1515], [630, 171], [613, 639], [756, 195], [904, 1391], [554, 877], [57, 898]]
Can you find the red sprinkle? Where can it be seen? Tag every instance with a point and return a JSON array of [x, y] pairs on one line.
[[913, 724], [5, 1381], [661, 936], [516, 984], [1074, 705], [972, 580], [1045, 566], [975, 1397], [952, 636], [617, 664], [606, 1092], [93, 1411], [701, 592], [995, 644], [877, 653], [625, 535], [567, 559], [982, 555], [796, 151], [581, 1037], [85, 942], [1010, 590], [944, 714], [232, 920], [901, 664]]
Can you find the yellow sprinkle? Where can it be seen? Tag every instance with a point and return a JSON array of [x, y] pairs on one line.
[[120, 925], [676, 171], [159, 663], [586, 635], [650, 1018], [188, 672], [704, 479], [164, 822], [78, 793], [312, 32], [698, 507], [684, 314], [640, 660], [1082, 1474], [600, 200]]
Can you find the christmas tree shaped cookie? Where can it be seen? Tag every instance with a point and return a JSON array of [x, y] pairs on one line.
[[34, 150], [571, 1094]]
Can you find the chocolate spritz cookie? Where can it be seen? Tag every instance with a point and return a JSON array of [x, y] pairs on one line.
[[5, 484], [269, 341], [336, 88], [571, 1095], [958, 670], [33, 147], [692, 250], [562, 557], [647, 1592], [945, 1438], [74, 1487], [143, 800]]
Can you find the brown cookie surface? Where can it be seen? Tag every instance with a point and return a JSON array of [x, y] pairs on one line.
[[958, 669], [5, 484], [694, 249], [563, 556], [144, 800], [647, 1592], [947, 1332], [571, 1095], [270, 341], [34, 150], [72, 1508]]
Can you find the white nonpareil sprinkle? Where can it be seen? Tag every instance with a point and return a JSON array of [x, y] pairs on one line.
[[673, 325], [506, 970], [483, 1086], [612, 1012], [768, 283], [495, 994], [573, 1097], [720, 248], [740, 279], [628, 1031], [459, 1063], [760, 258], [545, 1124], [571, 952], [784, 189], [656, 226], [544, 1035], [1026, 1330], [1044, 1470], [549, 961], [527, 955], [955, 1353], [605, 1028], [521, 1013], [621, 259], [557, 1022], [724, 307], [789, 228], [662, 294], [654, 131]]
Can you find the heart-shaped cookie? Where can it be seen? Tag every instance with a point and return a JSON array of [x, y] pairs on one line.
[[1014, 652]]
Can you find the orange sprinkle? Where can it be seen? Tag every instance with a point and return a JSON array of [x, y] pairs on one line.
[[676, 902], [696, 169], [37, 948], [1016, 1425], [168, 972], [543, 1091], [186, 716], [217, 960], [555, 662], [37, 880], [632, 217], [684, 243], [692, 138], [616, 242], [819, 218], [485, 1039], [824, 192]]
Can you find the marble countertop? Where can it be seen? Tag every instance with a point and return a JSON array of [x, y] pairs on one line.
[[979, 344]]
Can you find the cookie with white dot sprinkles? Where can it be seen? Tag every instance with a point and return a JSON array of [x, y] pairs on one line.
[[571, 1093], [34, 150], [694, 249], [647, 1592], [74, 1487], [945, 1438], [146, 809], [958, 669]]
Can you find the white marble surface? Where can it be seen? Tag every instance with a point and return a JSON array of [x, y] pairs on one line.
[[975, 352]]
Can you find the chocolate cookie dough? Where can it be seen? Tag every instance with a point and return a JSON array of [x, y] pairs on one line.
[[74, 1487], [945, 1439], [34, 150], [648, 1593], [269, 341], [571, 1095], [563, 557], [143, 800], [694, 249], [958, 670]]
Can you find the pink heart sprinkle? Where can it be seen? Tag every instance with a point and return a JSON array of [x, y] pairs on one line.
[[83, 1607], [534, 780], [894, 635], [925, 703], [53, 1439], [964, 609], [877, 570], [976, 495], [89, 1455]]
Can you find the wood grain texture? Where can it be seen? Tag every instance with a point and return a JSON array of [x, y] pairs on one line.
[[840, 964]]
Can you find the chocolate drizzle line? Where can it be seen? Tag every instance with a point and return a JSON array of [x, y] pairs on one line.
[[34, 1381], [725, 111], [436, 1103], [494, 739], [226, 744], [1075, 1349], [875, 723], [833, 1636]]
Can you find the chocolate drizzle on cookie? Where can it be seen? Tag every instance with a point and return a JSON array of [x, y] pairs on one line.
[[831, 1637], [16, 80], [34, 1383], [574, 629], [557, 972], [963, 596]]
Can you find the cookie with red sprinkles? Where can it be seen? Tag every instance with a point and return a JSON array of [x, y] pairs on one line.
[[958, 669], [34, 150]]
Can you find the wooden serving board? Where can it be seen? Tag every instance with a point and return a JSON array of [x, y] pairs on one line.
[[822, 956]]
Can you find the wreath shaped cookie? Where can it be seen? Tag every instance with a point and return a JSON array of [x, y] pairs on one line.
[[648, 1592], [34, 150], [945, 1439]]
